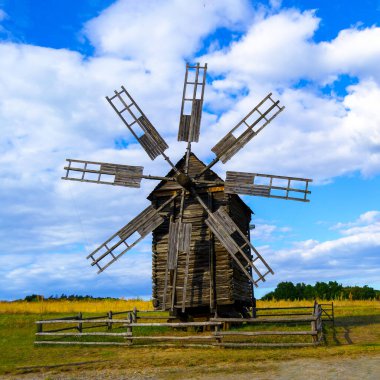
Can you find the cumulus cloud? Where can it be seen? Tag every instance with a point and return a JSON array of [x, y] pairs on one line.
[[52, 107], [331, 135], [156, 33], [352, 257]]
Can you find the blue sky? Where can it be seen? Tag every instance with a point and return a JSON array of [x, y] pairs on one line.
[[58, 59]]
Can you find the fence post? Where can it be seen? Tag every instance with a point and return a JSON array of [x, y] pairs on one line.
[[332, 314], [319, 320], [39, 327], [314, 322], [110, 317], [79, 324], [129, 327], [216, 332], [134, 315], [254, 312]]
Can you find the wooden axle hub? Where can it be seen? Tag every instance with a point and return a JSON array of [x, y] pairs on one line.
[[184, 180]]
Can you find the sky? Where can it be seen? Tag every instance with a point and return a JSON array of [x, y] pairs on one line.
[[58, 61]]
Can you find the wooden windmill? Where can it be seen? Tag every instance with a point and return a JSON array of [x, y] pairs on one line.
[[203, 260]]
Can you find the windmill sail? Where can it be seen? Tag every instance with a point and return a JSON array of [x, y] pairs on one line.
[[129, 235], [247, 128], [224, 228], [126, 238], [179, 241], [103, 173], [136, 121], [192, 102], [267, 185]]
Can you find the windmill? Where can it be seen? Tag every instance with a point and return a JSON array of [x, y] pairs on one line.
[[203, 260]]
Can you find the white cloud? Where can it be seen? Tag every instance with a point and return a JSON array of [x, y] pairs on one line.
[[352, 257], [52, 107], [158, 33], [265, 232], [329, 135]]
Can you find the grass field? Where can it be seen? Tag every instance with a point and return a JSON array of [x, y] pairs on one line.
[[357, 335]]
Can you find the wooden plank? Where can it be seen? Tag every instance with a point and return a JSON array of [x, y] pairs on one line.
[[127, 322], [212, 345], [236, 345], [285, 308], [179, 338], [264, 320], [259, 333], [84, 334], [48, 342], [173, 245]]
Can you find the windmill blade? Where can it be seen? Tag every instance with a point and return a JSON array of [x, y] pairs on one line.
[[107, 174], [192, 102], [267, 185], [227, 232], [132, 116], [127, 237], [103, 173], [223, 228], [246, 129], [179, 241]]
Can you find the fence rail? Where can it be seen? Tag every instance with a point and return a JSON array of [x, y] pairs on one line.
[[213, 332]]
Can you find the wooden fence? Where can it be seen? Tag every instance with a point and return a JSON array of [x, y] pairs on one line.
[[144, 328]]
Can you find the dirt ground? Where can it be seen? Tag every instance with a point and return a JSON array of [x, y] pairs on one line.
[[361, 367]]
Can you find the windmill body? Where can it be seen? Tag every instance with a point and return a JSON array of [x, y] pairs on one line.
[[210, 280], [203, 260]]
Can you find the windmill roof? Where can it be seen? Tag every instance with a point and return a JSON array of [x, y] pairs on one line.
[[195, 166]]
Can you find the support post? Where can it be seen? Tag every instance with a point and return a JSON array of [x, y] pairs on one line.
[[110, 317], [314, 323], [129, 327], [79, 324], [254, 311], [212, 260], [134, 315], [218, 338]]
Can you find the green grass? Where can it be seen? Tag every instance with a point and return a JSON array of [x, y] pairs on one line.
[[357, 332]]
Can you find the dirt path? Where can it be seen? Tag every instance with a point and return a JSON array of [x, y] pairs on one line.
[[361, 367]]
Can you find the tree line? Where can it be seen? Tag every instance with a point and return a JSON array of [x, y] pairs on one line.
[[322, 290], [64, 297]]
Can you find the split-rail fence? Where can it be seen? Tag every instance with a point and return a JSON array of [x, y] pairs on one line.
[[141, 328]]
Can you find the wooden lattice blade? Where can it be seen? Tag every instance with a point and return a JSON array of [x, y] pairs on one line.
[[126, 238], [247, 128], [267, 185], [103, 173], [179, 241], [225, 229], [192, 102], [136, 121]]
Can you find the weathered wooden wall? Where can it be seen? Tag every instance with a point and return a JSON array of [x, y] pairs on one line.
[[213, 277]]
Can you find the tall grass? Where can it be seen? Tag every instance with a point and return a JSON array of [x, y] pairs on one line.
[[338, 303], [64, 306], [103, 306]]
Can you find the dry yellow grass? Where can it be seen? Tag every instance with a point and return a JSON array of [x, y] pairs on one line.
[[47, 307], [338, 303]]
